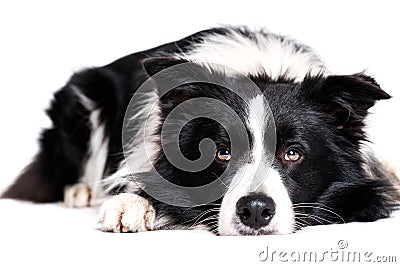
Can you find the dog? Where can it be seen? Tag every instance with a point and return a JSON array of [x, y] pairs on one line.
[[231, 130]]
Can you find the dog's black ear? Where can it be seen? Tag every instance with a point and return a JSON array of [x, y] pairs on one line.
[[174, 81], [346, 99]]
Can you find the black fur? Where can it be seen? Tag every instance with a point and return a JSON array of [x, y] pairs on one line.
[[323, 117]]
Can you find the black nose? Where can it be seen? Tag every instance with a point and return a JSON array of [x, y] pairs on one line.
[[256, 210]]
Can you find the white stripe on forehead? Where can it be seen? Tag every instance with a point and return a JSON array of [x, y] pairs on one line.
[[257, 120], [256, 124], [252, 175]]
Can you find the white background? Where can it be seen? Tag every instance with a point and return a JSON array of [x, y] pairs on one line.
[[43, 42]]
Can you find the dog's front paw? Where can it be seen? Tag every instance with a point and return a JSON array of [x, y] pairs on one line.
[[77, 196], [127, 213]]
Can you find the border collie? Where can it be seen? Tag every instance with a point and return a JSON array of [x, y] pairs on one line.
[[236, 131]]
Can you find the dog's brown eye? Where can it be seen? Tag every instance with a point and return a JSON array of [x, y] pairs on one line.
[[292, 155], [224, 155]]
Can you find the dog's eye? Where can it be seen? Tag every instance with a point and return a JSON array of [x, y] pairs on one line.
[[223, 155], [292, 155]]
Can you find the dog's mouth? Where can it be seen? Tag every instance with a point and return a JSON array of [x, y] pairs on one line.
[[253, 232], [241, 229]]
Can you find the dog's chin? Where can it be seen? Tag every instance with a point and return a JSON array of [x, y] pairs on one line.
[[262, 231], [237, 228]]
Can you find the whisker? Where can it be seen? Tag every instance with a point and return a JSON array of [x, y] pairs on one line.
[[303, 222], [313, 205], [204, 220], [201, 214], [316, 218]]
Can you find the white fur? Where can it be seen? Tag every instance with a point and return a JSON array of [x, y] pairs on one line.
[[252, 178], [257, 120], [267, 54], [141, 149], [127, 213], [283, 220], [85, 101], [94, 166], [272, 186], [143, 146], [239, 187]]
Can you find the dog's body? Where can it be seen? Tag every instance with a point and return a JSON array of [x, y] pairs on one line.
[[318, 172]]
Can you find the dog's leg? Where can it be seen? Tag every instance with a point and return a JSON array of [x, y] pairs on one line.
[[75, 149], [127, 212], [63, 149]]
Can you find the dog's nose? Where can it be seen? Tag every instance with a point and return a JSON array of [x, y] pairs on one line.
[[255, 211]]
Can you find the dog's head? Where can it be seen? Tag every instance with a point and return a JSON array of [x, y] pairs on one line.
[[317, 130]]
